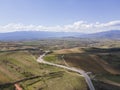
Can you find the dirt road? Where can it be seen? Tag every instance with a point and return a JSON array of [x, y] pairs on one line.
[[87, 78]]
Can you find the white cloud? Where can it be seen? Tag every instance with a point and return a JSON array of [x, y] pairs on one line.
[[79, 26], [85, 27]]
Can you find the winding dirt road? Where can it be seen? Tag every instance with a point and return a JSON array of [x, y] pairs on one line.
[[87, 78]]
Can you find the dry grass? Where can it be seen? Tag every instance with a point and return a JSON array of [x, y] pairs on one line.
[[66, 51], [21, 64], [84, 62], [105, 65]]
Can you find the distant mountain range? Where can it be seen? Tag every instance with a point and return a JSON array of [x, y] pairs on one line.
[[34, 35], [113, 34]]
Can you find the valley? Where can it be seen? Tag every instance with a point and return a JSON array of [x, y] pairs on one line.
[[18, 64], [59, 44]]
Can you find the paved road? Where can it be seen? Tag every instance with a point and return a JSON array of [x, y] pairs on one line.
[[87, 78]]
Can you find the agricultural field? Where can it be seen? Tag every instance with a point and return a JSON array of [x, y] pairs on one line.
[[19, 66], [102, 63], [69, 42]]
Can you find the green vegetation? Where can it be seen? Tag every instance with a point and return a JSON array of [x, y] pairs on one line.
[[53, 58], [66, 81], [18, 61], [60, 43], [21, 64], [16, 65], [102, 62]]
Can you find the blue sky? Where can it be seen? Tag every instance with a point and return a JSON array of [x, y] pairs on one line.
[[57, 14]]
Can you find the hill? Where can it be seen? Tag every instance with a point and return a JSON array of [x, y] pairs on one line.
[[21, 65], [113, 34], [102, 64]]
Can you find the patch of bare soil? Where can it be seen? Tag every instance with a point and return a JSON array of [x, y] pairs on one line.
[[17, 87], [66, 51]]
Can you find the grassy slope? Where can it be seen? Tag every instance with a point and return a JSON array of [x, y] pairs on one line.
[[67, 81], [84, 62], [76, 60], [89, 64], [21, 64], [109, 58]]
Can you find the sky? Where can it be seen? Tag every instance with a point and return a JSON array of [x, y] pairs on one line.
[[86, 16]]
